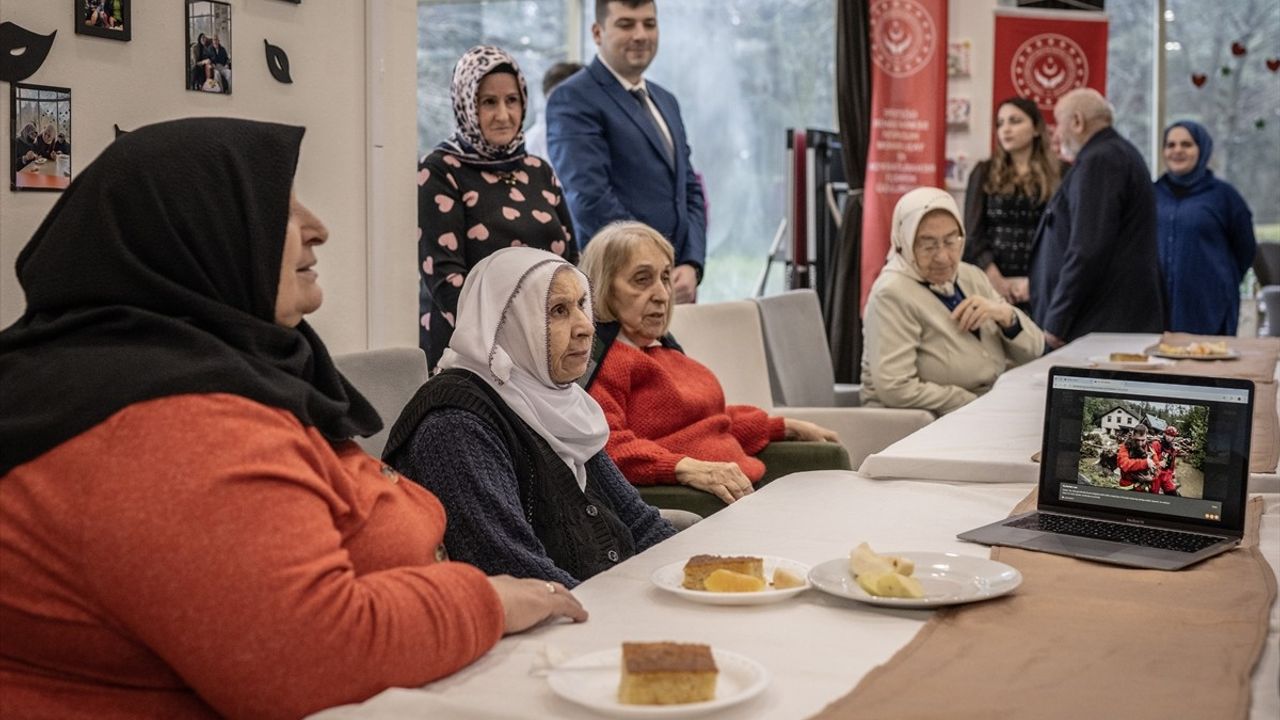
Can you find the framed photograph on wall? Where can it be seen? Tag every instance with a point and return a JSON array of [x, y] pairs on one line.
[[104, 18], [208, 49], [40, 119]]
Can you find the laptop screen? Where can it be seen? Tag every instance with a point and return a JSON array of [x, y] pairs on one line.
[[1125, 445]]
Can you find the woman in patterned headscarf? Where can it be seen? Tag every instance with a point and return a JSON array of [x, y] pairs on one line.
[[479, 191], [1206, 236], [936, 333]]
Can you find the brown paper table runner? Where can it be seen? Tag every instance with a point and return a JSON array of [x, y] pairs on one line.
[[1257, 362], [1085, 640]]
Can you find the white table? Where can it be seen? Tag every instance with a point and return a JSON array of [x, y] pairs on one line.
[[816, 647], [992, 439]]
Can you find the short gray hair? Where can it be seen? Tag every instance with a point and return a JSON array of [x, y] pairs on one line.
[[609, 252], [1091, 105]]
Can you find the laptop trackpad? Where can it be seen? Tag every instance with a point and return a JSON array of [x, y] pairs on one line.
[[1069, 545]]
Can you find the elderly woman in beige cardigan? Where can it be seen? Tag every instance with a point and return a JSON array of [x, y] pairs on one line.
[[936, 333]]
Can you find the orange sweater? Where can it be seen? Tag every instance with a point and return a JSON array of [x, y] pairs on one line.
[[205, 555], [663, 406]]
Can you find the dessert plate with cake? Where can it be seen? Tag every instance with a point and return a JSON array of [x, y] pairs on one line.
[[659, 679], [914, 579], [1197, 351], [733, 579]]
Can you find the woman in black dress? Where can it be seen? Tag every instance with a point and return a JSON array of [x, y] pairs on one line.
[[1006, 196], [479, 191]]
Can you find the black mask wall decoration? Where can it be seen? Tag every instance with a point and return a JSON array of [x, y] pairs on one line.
[[22, 52], [278, 63]]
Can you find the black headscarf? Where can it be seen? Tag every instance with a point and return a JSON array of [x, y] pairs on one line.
[[156, 274]]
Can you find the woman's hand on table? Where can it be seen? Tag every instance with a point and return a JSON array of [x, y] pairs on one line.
[[529, 601], [809, 432], [975, 310], [725, 480]]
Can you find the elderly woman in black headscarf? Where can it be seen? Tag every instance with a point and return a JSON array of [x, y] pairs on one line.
[[186, 528], [507, 440], [480, 192]]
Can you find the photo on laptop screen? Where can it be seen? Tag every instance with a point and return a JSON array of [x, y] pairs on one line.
[[1129, 443], [1152, 447]]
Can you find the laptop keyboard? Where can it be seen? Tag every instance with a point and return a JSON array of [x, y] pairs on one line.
[[1130, 534]]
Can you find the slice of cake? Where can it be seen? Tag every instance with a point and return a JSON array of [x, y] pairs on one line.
[[700, 567], [1128, 357], [666, 673]]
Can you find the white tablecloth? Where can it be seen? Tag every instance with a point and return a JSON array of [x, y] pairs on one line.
[[816, 647], [993, 438]]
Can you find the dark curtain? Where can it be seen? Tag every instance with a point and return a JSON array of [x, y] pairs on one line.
[[853, 105]]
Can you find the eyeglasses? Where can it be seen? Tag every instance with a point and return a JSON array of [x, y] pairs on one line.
[[931, 246]]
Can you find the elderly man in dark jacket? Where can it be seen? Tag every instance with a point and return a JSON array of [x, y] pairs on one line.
[[1094, 265]]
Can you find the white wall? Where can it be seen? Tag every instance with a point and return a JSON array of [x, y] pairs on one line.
[[353, 186], [973, 20]]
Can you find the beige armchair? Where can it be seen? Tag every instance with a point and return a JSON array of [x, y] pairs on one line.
[[728, 338], [388, 378]]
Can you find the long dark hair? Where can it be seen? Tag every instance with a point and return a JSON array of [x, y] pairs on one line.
[[1044, 171]]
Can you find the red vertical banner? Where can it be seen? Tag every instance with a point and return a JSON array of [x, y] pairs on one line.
[[1042, 55], [908, 40]]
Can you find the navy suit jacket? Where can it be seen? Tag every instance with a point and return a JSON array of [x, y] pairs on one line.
[[613, 163], [1094, 263]]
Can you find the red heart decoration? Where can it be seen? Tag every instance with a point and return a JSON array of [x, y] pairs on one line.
[[1273, 64], [1198, 79], [1237, 49]]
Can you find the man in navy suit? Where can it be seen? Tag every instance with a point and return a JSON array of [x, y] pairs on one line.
[[619, 146], [1094, 264]]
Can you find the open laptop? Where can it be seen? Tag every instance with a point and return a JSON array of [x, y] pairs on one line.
[[1110, 493]]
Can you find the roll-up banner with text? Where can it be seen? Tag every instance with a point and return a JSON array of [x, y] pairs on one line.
[[908, 40], [1042, 55]]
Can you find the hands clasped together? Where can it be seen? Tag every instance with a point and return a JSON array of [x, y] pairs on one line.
[[975, 310]]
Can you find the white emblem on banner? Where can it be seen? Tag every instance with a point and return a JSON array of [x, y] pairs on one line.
[[903, 36], [1048, 66]]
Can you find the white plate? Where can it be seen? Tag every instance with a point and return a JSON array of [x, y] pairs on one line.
[[592, 681], [671, 578], [1230, 354], [1151, 361], [947, 579]]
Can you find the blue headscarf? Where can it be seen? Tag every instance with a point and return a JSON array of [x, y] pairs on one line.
[[1202, 140]]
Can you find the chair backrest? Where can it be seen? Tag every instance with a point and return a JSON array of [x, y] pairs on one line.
[[1266, 264], [388, 378], [1271, 303], [728, 339], [795, 341]]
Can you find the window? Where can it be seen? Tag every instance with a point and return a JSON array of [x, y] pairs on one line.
[[1239, 98], [766, 74], [1215, 74], [744, 72], [534, 33]]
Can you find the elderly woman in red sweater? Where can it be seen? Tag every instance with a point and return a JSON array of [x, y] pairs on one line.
[[668, 422], [186, 528]]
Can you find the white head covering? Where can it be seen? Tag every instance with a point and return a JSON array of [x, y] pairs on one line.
[[502, 336], [907, 214]]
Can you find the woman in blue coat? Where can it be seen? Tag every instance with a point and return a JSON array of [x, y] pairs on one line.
[[1206, 236]]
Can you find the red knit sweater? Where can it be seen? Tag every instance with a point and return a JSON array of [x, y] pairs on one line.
[[204, 555], [663, 406]]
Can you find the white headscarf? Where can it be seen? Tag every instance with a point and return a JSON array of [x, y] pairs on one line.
[[502, 336], [907, 214]]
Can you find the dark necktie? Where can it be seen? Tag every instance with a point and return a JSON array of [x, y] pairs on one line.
[[641, 97]]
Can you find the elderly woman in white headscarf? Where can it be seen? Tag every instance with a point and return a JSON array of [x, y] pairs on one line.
[[936, 334], [510, 444]]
